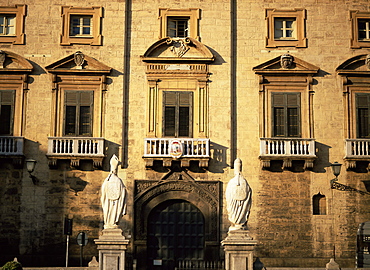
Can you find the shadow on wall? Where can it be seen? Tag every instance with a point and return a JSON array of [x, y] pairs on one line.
[[322, 161], [218, 158]]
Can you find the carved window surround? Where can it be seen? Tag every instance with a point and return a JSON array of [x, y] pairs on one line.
[[77, 72], [19, 11], [294, 76], [355, 73], [14, 72], [355, 17], [95, 12], [298, 40], [192, 13]]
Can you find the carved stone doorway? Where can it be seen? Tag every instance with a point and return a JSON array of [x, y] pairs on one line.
[[175, 233]]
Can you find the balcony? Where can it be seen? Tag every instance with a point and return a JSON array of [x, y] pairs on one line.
[[12, 147], [183, 149], [356, 150], [75, 149], [287, 149]]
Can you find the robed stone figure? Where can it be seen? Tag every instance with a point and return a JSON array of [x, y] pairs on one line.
[[238, 199], [113, 197]]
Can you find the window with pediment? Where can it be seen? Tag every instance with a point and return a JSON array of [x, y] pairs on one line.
[[286, 97]]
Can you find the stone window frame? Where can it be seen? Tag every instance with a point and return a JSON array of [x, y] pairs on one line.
[[192, 13], [19, 11], [95, 12], [300, 17], [355, 16]]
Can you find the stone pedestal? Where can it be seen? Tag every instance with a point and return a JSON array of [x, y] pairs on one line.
[[112, 247], [239, 249]]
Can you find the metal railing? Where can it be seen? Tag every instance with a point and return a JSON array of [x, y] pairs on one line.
[[287, 147], [357, 148], [11, 145], [200, 265], [160, 147], [76, 146]]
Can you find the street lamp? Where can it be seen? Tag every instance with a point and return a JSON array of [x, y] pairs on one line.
[[30, 165], [336, 169]]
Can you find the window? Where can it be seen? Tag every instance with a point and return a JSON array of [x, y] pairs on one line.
[[12, 24], [6, 111], [360, 22], [177, 27], [286, 28], [81, 25], [319, 204], [78, 113], [179, 23], [177, 114], [286, 114], [362, 115]]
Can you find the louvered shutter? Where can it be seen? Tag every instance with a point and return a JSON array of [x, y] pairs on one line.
[[85, 113], [169, 125], [286, 114], [362, 109]]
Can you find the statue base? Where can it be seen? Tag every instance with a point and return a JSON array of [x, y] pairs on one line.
[[239, 250], [112, 247]]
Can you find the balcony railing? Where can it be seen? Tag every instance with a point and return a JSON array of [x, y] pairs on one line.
[[76, 146], [287, 147], [358, 148], [11, 146], [192, 148]]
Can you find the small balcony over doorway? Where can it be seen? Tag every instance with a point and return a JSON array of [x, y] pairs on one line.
[[183, 149]]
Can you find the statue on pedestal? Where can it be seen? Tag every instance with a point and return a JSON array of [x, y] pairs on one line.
[[238, 199], [113, 197]]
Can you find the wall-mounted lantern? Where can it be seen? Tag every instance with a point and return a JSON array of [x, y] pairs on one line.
[[336, 169], [30, 165]]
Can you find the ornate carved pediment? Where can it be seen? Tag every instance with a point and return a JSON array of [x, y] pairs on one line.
[[357, 65], [11, 62], [178, 50], [78, 63], [286, 64]]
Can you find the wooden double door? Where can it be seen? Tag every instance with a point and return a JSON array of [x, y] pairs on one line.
[[175, 233]]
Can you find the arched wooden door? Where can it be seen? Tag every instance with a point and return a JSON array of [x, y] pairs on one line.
[[175, 233]]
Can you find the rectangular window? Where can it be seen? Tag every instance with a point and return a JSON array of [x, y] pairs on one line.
[[78, 113], [364, 29], [177, 113], [286, 114], [81, 25], [285, 28], [6, 112], [7, 25], [178, 27], [362, 111]]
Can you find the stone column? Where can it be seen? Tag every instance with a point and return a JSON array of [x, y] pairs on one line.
[[112, 247], [239, 250]]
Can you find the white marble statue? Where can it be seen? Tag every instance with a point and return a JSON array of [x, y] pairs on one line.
[[113, 196], [238, 199]]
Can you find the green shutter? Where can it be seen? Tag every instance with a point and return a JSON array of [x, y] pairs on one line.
[[78, 113], [285, 114], [362, 115]]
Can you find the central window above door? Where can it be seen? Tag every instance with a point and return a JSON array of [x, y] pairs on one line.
[[177, 113]]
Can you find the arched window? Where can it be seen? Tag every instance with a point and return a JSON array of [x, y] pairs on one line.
[[319, 204]]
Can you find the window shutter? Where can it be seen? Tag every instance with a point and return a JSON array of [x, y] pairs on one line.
[[85, 121], [286, 114], [169, 118], [362, 109], [6, 111], [185, 118]]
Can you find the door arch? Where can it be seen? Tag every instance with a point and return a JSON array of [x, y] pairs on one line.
[[175, 233]]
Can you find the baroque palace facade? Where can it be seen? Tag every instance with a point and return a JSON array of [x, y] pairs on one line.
[[178, 90]]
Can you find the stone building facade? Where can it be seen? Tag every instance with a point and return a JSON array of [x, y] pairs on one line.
[[282, 85]]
